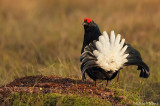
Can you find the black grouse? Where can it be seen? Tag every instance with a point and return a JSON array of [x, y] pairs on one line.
[[102, 57]]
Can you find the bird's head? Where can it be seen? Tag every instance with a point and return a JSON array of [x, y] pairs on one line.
[[91, 32], [89, 24]]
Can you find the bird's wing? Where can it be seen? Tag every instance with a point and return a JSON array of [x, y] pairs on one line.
[[88, 60], [134, 58]]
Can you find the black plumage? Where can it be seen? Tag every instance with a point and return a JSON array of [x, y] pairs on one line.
[[134, 58], [88, 59], [91, 33]]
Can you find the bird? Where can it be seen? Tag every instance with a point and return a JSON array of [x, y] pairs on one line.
[[103, 56]]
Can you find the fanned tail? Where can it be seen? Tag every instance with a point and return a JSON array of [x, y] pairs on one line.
[[108, 53]]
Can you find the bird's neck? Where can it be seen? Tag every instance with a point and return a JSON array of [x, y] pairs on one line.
[[90, 36]]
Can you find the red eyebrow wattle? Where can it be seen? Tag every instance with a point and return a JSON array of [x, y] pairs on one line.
[[88, 20]]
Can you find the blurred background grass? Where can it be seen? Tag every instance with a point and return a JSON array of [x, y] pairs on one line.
[[45, 37]]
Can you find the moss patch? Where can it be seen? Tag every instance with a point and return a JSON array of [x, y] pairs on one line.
[[125, 97], [52, 99]]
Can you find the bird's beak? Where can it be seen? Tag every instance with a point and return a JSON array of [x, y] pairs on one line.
[[84, 23]]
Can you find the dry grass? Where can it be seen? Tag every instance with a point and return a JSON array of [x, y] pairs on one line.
[[45, 37]]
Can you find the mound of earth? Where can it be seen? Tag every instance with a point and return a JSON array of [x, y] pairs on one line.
[[53, 84]]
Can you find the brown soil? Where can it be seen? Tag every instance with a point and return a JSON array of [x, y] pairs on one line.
[[53, 84]]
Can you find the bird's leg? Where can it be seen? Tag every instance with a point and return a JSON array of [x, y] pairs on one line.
[[95, 83], [83, 77], [118, 76], [107, 83]]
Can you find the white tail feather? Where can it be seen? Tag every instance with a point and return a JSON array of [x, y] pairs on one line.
[[117, 39], [110, 52], [112, 38]]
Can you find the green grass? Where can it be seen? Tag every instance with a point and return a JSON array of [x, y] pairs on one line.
[[45, 37], [51, 99], [54, 99]]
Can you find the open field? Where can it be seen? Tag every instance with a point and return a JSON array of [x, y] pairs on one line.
[[45, 37]]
